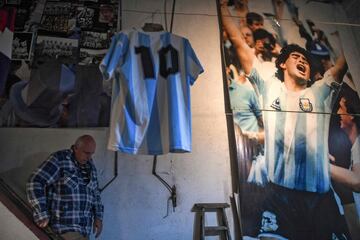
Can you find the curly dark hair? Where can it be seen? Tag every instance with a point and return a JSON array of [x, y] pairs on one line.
[[352, 103], [253, 16], [263, 34], [284, 55]]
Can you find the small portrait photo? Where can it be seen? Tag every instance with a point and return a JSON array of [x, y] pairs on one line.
[[56, 47], [22, 45], [85, 17], [106, 13]]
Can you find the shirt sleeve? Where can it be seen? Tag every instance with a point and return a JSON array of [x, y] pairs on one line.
[[115, 55], [193, 65], [327, 89], [43, 177], [98, 207], [355, 152], [255, 77]]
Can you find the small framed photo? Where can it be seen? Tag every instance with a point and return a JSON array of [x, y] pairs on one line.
[[106, 13], [22, 45]]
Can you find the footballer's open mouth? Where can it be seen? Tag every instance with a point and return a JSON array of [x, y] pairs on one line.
[[301, 68]]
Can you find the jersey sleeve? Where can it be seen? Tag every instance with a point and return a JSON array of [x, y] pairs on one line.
[[193, 65], [115, 55], [256, 78], [327, 89]]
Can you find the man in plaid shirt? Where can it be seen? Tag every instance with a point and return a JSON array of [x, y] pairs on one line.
[[63, 192]]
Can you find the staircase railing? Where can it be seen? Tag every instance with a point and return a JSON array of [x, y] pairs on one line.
[[20, 208]]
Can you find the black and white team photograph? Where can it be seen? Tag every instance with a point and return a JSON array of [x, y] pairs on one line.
[[56, 47]]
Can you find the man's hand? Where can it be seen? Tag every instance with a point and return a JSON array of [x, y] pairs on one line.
[[97, 227], [43, 223]]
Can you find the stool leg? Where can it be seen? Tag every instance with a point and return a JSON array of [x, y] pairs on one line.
[[225, 223], [202, 224]]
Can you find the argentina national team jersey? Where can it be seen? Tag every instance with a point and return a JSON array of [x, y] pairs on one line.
[[296, 133], [152, 74]]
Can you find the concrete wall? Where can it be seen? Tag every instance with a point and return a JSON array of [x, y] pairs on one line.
[[136, 202]]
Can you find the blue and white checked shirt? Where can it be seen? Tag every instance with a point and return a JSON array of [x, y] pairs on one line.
[[57, 191]]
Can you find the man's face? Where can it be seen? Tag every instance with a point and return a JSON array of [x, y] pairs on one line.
[[346, 121], [248, 36], [256, 25], [297, 67], [260, 46], [84, 151]]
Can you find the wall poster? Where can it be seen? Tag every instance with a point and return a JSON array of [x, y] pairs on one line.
[[295, 110]]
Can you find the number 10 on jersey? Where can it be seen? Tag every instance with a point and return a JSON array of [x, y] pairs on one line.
[[168, 59]]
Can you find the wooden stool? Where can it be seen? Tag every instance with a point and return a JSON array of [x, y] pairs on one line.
[[201, 231]]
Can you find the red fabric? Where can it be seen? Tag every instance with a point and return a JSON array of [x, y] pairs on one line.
[[3, 19], [7, 19]]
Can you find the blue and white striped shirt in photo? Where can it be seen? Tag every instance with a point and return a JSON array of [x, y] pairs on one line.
[[152, 74], [296, 133]]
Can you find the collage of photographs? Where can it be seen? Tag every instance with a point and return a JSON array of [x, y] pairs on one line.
[[70, 36]]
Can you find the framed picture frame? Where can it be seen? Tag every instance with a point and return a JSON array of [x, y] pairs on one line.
[[22, 47]]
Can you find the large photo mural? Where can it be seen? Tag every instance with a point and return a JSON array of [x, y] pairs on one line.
[[295, 110]]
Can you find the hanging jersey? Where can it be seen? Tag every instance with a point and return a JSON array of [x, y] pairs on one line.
[[296, 133], [152, 73]]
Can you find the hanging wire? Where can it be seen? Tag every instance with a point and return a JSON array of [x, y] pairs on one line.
[[172, 15], [165, 16]]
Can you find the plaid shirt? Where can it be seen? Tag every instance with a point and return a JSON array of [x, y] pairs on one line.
[[57, 191]]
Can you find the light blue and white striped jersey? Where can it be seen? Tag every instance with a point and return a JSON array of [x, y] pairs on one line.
[[296, 133], [152, 74], [245, 106]]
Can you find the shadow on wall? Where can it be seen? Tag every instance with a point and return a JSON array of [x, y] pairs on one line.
[[17, 177]]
